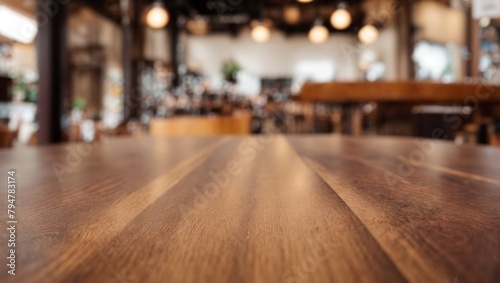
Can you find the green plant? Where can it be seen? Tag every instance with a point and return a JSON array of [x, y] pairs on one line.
[[230, 68], [79, 103], [31, 95]]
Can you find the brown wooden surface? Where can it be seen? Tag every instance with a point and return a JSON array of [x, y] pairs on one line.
[[237, 124], [280, 209], [411, 91]]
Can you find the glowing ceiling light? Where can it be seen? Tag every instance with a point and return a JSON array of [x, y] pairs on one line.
[[260, 33], [16, 26], [368, 34], [291, 14], [318, 33], [305, 1], [157, 17], [340, 19]]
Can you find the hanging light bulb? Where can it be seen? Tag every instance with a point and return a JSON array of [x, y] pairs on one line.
[[291, 14], [341, 18], [305, 1], [318, 33], [157, 17], [260, 32], [368, 34]]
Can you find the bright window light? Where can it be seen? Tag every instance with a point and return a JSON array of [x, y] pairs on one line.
[[314, 70], [16, 26], [433, 61]]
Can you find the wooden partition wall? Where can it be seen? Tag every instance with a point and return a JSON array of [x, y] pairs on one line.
[[237, 124], [411, 91], [440, 107]]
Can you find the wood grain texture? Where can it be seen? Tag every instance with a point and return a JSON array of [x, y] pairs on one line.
[[256, 209]]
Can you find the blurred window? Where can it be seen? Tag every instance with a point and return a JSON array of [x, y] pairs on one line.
[[433, 62]]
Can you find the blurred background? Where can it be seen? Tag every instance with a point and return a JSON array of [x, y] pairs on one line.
[[89, 70]]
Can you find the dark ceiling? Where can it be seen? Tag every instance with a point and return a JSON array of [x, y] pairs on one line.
[[228, 15], [232, 15]]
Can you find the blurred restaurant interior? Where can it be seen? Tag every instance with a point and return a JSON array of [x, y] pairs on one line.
[[279, 141], [85, 70]]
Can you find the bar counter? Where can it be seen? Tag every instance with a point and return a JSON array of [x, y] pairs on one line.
[[401, 91], [255, 209]]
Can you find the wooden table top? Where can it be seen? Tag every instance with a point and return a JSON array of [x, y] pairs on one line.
[[255, 209]]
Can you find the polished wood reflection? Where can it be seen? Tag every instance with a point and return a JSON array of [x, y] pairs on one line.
[[256, 209]]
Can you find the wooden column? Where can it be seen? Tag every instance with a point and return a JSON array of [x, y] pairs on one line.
[[175, 49], [129, 74], [406, 67], [51, 45], [132, 55], [473, 46]]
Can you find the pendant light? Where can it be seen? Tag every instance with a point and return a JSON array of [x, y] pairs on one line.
[[157, 16], [260, 29], [341, 18], [318, 33], [368, 34], [260, 32]]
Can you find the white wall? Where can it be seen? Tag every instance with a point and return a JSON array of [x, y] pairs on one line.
[[280, 56], [276, 58], [156, 45]]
